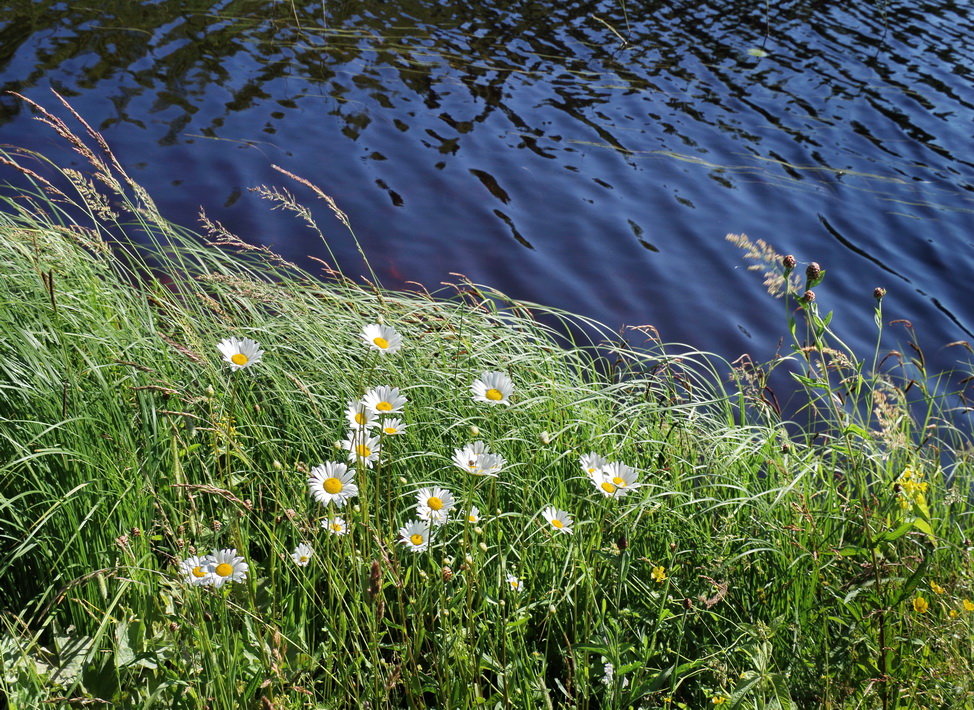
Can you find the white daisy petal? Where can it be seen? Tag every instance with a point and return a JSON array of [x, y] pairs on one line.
[[196, 571], [359, 416], [332, 483], [434, 505], [362, 448], [615, 480], [492, 388], [515, 584], [384, 400], [227, 566], [415, 535], [558, 519], [383, 338], [240, 352], [302, 554], [336, 525], [591, 463]]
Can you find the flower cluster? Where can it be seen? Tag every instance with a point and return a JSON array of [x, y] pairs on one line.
[[215, 569], [911, 489]]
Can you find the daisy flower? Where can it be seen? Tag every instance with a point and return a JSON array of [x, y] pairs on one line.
[[591, 462], [615, 480], [302, 554], [515, 584], [336, 525], [240, 352], [466, 457], [383, 338], [227, 566], [415, 535], [473, 516], [558, 519], [196, 571], [475, 458], [492, 388], [490, 464], [359, 416], [434, 505], [384, 400], [361, 448], [392, 427], [332, 483]]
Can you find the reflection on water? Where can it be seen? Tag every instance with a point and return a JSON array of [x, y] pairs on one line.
[[589, 155]]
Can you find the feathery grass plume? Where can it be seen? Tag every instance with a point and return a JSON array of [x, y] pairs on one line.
[[768, 262]]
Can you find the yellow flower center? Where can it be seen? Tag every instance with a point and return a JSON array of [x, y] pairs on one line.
[[303, 559], [337, 527], [472, 518], [381, 342], [384, 406], [434, 503], [332, 485], [198, 572], [224, 570], [390, 430], [360, 418], [363, 451], [239, 359], [416, 539], [557, 523], [607, 487], [515, 584], [592, 470], [493, 395], [621, 482]]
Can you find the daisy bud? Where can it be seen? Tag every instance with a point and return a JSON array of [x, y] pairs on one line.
[[878, 293], [474, 431], [479, 530], [545, 438], [502, 603], [468, 559], [789, 262], [422, 574], [210, 392], [483, 547], [402, 480], [552, 610], [277, 465]]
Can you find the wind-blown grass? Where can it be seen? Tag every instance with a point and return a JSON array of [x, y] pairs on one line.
[[759, 564]]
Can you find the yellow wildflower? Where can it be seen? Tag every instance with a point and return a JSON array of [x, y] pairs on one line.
[[967, 604], [719, 699], [658, 574], [937, 589], [920, 605]]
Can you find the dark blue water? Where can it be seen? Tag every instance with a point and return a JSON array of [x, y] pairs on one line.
[[586, 155]]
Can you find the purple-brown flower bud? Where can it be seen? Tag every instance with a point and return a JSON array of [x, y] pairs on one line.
[[813, 271], [808, 296], [789, 262], [878, 293]]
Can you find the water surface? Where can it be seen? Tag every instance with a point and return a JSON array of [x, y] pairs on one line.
[[586, 155]]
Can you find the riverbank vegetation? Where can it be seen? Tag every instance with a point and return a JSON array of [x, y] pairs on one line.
[[394, 500]]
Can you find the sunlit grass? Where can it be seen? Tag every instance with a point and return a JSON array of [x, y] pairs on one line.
[[752, 563]]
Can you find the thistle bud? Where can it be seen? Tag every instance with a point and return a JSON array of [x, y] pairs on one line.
[[789, 262], [622, 543], [447, 574], [878, 293], [808, 296], [813, 271]]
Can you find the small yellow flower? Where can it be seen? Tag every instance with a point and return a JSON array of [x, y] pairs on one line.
[[967, 604], [658, 574], [920, 605], [937, 589], [953, 614], [719, 699]]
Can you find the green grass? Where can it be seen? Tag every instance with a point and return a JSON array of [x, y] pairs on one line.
[[794, 554]]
